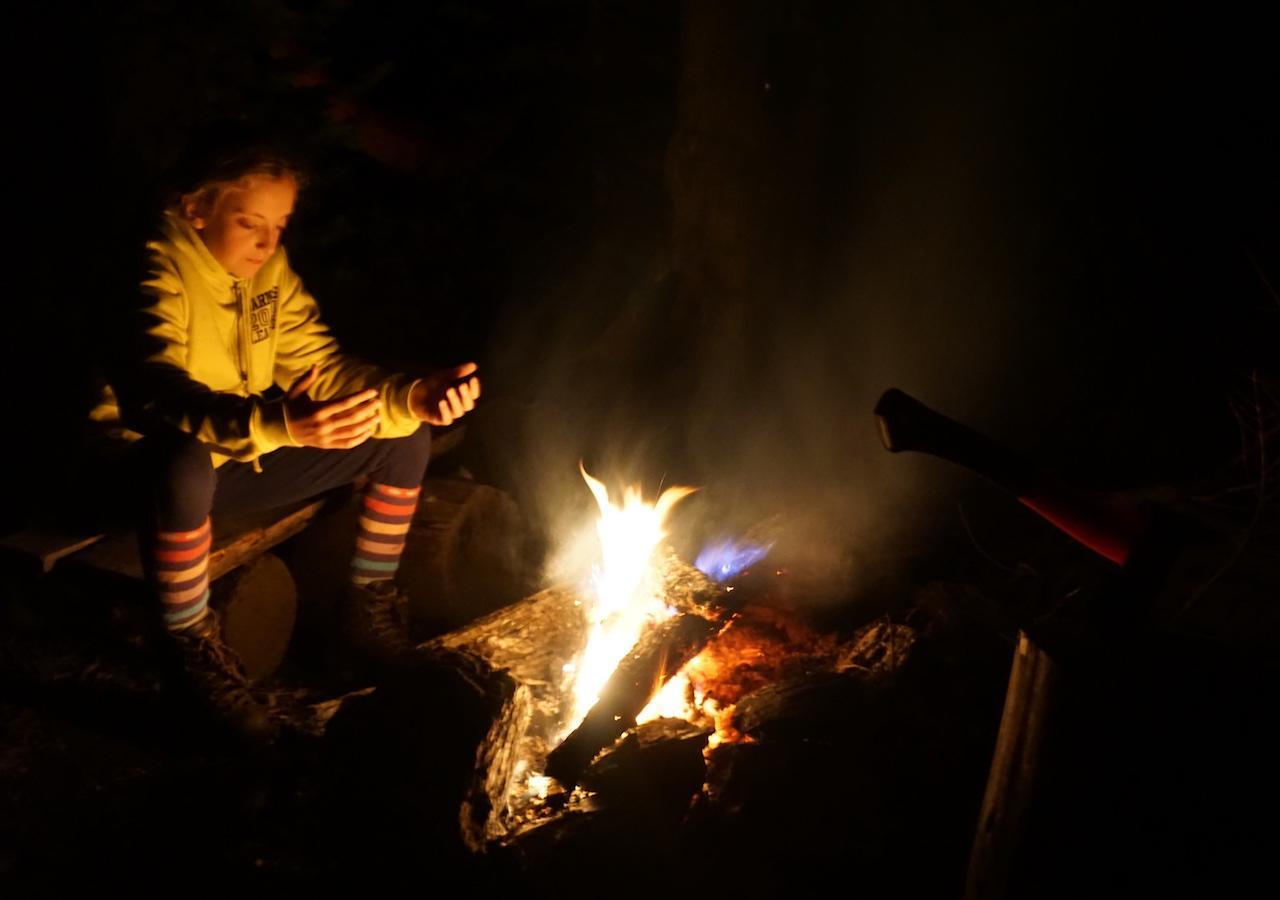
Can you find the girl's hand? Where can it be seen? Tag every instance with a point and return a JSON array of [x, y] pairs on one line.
[[447, 395], [334, 424]]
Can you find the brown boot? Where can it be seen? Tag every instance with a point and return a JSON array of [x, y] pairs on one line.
[[374, 620], [213, 672]]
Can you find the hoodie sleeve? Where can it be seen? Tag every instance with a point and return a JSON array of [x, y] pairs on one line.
[[155, 387], [303, 340]]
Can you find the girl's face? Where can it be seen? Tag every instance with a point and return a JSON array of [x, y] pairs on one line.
[[243, 229]]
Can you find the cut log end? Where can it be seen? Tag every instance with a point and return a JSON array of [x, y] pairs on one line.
[[259, 605]]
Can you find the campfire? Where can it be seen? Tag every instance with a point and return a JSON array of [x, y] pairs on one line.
[[651, 650], [626, 599]]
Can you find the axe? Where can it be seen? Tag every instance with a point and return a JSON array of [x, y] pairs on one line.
[[1110, 527]]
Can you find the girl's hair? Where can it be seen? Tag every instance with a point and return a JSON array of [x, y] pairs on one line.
[[226, 159]]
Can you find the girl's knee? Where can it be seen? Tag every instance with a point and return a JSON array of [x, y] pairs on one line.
[[414, 449], [405, 459], [419, 443], [180, 462]]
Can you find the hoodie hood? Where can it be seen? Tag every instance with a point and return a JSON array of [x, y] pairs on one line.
[[184, 241]]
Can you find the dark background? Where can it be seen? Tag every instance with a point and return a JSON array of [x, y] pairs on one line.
[[695, 242], [1056, 224]]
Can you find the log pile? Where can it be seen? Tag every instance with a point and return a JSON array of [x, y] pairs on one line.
[[704, 609], [809, 757], [518, 653], [500, 684]]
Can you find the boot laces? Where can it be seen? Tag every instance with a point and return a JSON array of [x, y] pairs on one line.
[[214, 666]]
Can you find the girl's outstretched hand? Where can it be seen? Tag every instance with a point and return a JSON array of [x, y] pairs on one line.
[[447, 395], [332, 424]]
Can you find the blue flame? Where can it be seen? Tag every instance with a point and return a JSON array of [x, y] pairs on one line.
[[721, 560]]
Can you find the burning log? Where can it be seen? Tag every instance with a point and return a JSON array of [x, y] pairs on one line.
[[531, 638], [436, 745], [653, 772], [659, 654], [778, 733], [517, 656], [856, 671]]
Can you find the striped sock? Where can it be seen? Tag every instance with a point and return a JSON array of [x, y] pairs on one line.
[[385, 515], [179, 567]]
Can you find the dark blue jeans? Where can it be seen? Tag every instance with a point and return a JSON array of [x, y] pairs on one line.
[[179, 486]]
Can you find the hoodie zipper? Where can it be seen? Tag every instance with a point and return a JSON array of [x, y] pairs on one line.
[[245, 355], [243, 342]]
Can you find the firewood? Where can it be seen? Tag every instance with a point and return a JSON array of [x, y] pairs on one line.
[[236, 541], [532, 638], [659, 761], [1015, 765], [659, 654], [464, 554], [406, 751], [516, 655], [259, 603], [871, 656]]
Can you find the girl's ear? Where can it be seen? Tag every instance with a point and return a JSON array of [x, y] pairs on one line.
[[194, 208]]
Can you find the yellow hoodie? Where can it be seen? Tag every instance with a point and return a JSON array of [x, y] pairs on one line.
[[209, 344]]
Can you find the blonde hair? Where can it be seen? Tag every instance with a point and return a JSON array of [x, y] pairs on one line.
[[221, 171]]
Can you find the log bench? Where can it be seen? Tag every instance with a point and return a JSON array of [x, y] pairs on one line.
[[236, 541], [252, 587]]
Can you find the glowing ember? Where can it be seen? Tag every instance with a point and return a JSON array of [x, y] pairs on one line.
[[687, 696], [760, 646], [625, 598], [539, 785], [672, 702]]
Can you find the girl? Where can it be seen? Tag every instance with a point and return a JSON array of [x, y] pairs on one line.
[[225, 324]]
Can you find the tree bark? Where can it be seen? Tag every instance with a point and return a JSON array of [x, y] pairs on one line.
[[517, 656]]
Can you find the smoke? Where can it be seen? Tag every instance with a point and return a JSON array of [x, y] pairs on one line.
[[762, 396], [872, 210]]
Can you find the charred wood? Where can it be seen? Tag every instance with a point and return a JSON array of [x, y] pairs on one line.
[[876, 650], [515, 656], [660, 653], [658, 767], [405, 753], [512, 662], [855, 677]]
